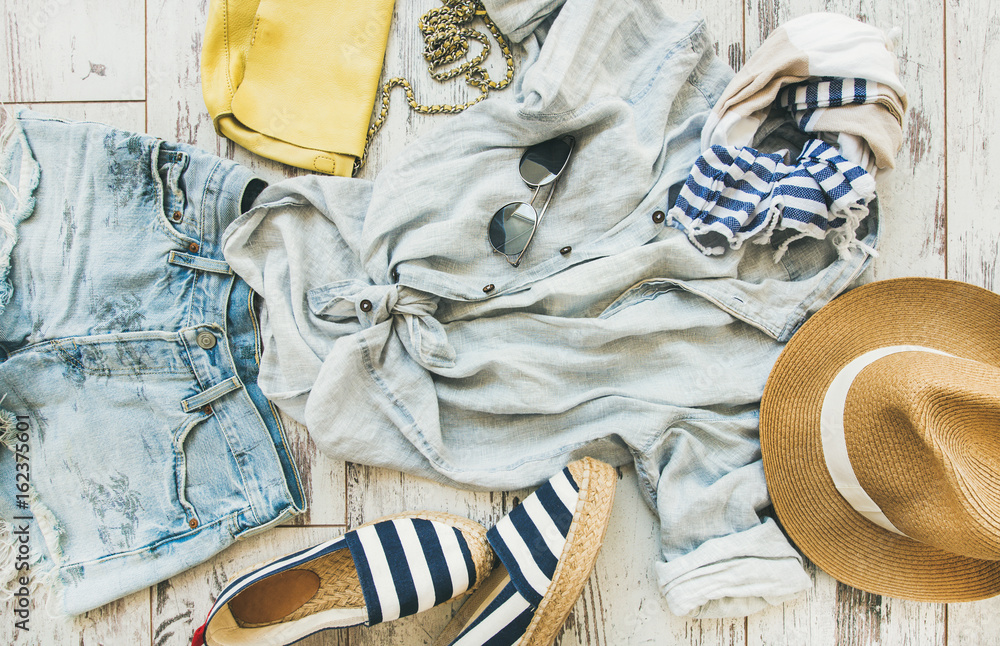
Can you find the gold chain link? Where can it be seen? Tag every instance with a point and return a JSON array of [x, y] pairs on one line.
[[446, 39]]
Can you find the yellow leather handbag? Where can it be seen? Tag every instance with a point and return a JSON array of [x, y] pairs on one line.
[[295, 80]]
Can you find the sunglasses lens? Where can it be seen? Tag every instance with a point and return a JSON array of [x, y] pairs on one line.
[[511, 227], [543, 162]]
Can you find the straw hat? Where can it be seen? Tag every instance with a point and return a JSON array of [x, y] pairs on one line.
[[893, 390]]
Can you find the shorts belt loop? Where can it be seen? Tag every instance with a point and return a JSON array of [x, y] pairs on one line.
[[199, 263], [210, 395]]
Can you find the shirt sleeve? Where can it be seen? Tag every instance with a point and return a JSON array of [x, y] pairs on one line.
[[722, 555]]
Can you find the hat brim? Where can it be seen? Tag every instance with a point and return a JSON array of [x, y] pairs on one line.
[[951, 316]]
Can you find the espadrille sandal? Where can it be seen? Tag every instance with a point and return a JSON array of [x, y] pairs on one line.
[[392, 567], [547, 547]]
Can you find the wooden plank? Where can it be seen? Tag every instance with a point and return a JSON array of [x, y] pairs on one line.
[[912, 220], [835, 613], [126, 621], [973, 54], [63, 50], [973, 117], [724, 19], [806, 620], [126, 115], [974, 624], [181, 604], [324, 480]]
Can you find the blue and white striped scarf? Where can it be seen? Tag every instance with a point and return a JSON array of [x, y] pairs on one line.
[[735, 193], [808, 101]]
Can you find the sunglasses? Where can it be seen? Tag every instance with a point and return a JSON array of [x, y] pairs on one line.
[[514, 225]]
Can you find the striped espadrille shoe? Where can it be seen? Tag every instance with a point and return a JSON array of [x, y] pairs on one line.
[[392, 567], [547, 547]]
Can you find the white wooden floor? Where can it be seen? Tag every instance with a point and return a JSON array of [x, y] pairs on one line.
[[136, 65]]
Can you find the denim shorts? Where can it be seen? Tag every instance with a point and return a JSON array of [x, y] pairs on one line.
[[128, 361]]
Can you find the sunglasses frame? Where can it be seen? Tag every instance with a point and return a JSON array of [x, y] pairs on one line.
[[571, 142]]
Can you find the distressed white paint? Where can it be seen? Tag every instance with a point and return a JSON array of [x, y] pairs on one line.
[[934, 220], [126, 115], [66, 50], [973, 57]]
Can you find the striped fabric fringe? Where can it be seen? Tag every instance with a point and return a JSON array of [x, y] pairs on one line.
[[808, 100], [529, 542], [736, 193], [405, 566]]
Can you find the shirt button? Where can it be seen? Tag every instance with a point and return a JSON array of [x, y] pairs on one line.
[[489, 288], [658, 216], [206, 340], [193, 523], [565, 250], [193, 247], [366, 305]]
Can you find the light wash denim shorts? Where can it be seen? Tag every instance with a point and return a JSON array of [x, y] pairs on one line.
[[128, 360]]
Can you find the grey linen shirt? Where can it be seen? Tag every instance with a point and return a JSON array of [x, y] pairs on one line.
[[396, 335]]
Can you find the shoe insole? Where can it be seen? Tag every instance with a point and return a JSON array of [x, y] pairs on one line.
[[330, 581]]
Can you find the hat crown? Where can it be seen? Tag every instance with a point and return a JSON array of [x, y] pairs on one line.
[[923, 436]]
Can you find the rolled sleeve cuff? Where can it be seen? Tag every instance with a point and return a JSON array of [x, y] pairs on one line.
[[734, 575]]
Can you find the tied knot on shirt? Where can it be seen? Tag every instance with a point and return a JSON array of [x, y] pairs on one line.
[[385, 308]]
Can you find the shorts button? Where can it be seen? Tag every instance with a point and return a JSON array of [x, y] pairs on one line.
[[206, 340], [193, 523], [177, 216], [366, 305], [658, 216], [193, 247]]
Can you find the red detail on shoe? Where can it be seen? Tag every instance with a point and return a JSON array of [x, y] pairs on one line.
[[199, 637]]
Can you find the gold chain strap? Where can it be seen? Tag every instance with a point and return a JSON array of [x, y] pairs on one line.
[[446, 39]]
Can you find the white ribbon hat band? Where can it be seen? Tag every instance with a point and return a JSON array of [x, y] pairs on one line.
[[835, 444]]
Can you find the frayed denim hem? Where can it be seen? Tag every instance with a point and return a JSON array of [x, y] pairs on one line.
[[19, 176]]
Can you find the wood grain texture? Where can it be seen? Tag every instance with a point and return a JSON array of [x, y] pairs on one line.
[[125, 621], [973, 120], [973, 56], [126, 115], [63, 50], [974, 624], [724, 19]]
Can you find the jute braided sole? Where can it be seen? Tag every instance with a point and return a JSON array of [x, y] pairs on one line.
[[597, 482], [337, 578]]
